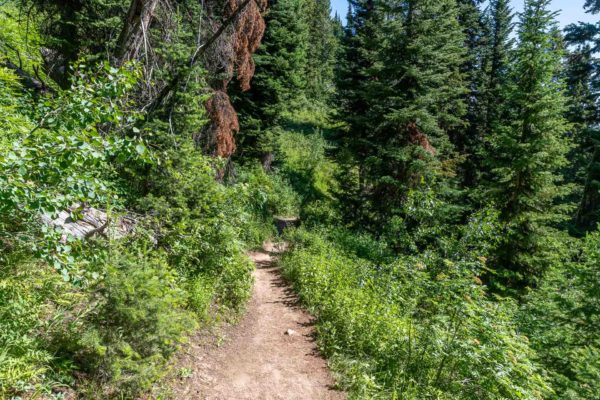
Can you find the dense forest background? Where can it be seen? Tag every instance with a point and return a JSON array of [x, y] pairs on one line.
[[444, 158]]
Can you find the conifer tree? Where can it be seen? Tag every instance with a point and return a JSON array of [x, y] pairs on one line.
[[359, 50], [321, 51], [422, 63], [495, 61], [403, 91], [528, 149], [583, 83], [472, 21], [279, 82], [592, 6], [499, 53]]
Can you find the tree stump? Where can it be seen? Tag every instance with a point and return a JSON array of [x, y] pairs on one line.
[[282, 223]]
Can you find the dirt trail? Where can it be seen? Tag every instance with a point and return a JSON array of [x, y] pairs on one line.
[[270, 355]]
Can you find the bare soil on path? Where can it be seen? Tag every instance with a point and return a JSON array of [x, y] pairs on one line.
[[270, 355]]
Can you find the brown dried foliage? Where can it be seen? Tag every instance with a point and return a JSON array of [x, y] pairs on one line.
[[249, 30], [416, 137], [224, 123], [232, 53]]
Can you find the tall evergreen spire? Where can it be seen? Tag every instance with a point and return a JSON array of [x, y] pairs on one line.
[[403, 92], [527, 150], [583, 83], [321, 51], [501, 46]]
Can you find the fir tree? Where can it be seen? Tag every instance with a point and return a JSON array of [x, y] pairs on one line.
[[583, 85], [359, 52], [321, 51], [499, 53], [279, 82], [592, 6], [403, 92], [527, 150], [421, 63], [472, 21], [495, 61]]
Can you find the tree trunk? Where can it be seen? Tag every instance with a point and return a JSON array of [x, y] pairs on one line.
[[267, 161], [135, 29]]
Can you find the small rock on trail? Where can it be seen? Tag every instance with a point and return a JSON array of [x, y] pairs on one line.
[[270, 355]]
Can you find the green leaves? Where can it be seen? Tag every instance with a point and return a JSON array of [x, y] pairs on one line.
[[65, 158], [140, 148], [412, 327]]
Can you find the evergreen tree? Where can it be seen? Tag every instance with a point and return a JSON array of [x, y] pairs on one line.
[[467, 139], [74, 29], [279, 82], [527, 150], [583, 83], [592, 6], [321, 51], [495, 60], [338, 32], [403, 90], [360, 46], [499, 53]]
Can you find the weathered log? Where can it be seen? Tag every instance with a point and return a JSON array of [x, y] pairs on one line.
[[92, 222], [28, 81]]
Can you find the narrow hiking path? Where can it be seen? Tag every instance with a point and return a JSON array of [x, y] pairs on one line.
[[269, 355]]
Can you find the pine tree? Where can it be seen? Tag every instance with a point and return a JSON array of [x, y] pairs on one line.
[[359, 50], [75, 29], [421, 63], [583, 85], [279, 82], [592, 6], [338, 32], [403, 90], [321, 51], [495, 60], [500, 47], [467, 139], [528, 149]]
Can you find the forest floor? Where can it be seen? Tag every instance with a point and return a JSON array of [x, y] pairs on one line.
[[271, 354]]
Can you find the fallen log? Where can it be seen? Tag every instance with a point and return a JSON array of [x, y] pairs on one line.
[[90, 222]]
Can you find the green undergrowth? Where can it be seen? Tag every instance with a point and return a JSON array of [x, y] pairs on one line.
[[102, 316], [411, 327]]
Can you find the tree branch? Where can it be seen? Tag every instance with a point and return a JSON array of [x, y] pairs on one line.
[[194, 58]]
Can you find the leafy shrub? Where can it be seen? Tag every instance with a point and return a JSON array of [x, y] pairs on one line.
[[561, 318], [24, 291], [107, 314], [268, 194], [202, 226], [53, 155], [412, 328], [310, 172], [138, 321]]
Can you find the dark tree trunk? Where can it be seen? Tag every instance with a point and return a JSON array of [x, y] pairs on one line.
[[267, 161], [135, 29]]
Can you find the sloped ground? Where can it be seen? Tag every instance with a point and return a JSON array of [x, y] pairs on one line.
[[270, 355]]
